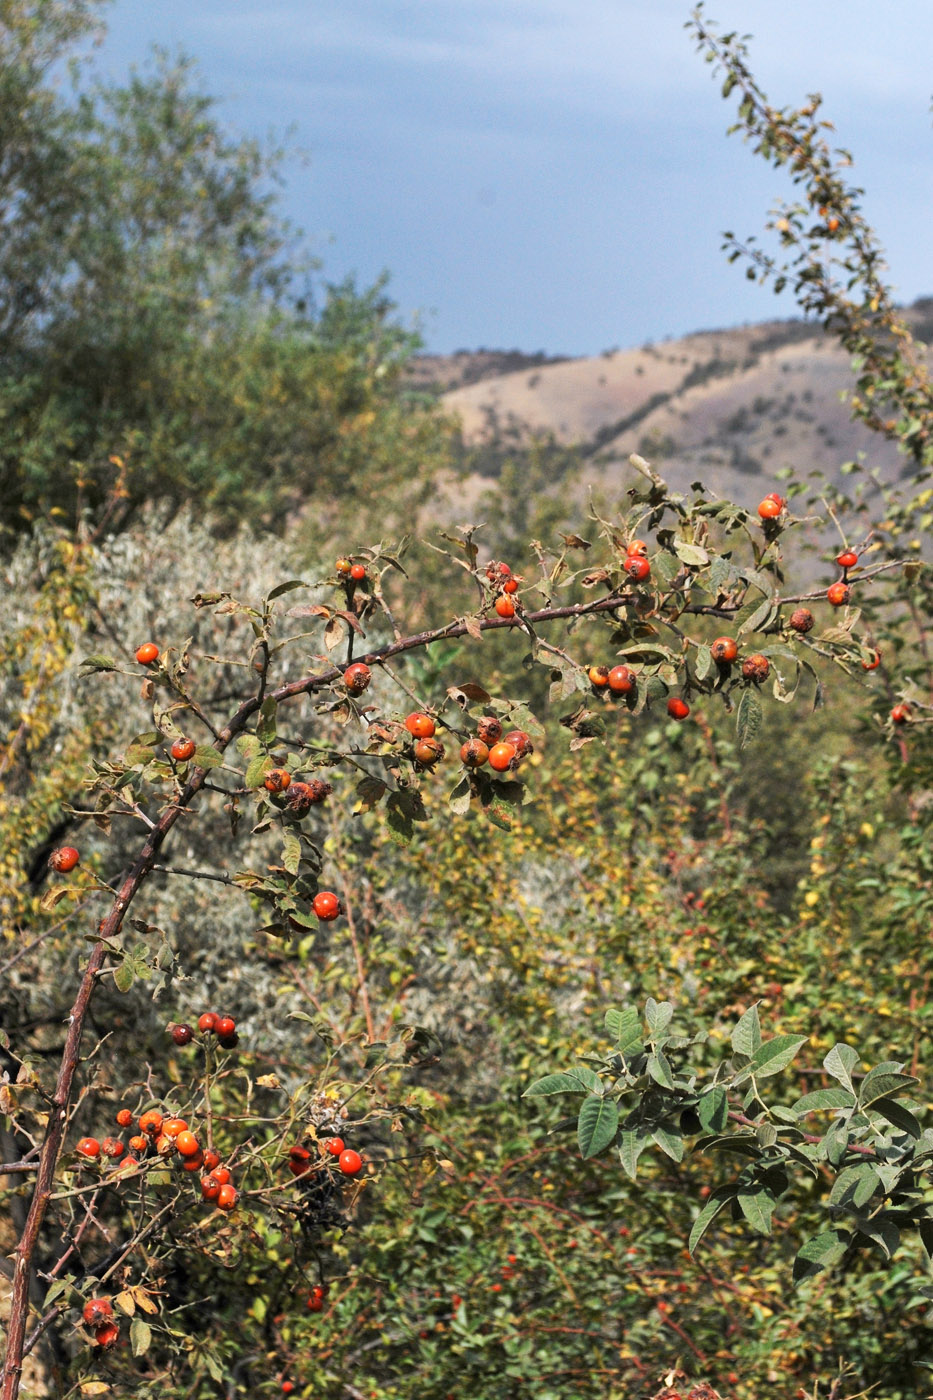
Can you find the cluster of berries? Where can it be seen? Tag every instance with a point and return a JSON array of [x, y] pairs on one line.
[[505, 586], [503, 752], [209, 1023], [158, 1137], [301, 1163], [98, 1315]]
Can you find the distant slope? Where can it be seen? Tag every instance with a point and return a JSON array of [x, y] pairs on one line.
[[731, 407]]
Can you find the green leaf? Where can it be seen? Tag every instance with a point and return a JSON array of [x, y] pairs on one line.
[[256, 770], [625, 1027], [596, 1125], [820, 1252], [693, 554], [631, 1146], [140, 1336], [881, 1082], [207, 757], [291, 852], [717, 1200], [659, 1016], [124, 975], [281, 588], [757, 1205], [713, 1110], [248, 745], [459, 799], [754, 615], [98, 663], [659, 1069], [704, 663], [265, 726], [854, 1186], [822, 1100], [898, 1116], [746, 1038], [772, 1057], [840, 1062], [670, 1143], [554, 1084], [748, 717], [882, 1231], [588, 1078]]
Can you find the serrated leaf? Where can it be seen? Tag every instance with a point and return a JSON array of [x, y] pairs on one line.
[[713, 1109], [820, 1252], [596, 1125], [248, 745], [840, 1062], [748, 718], [140, 1336], [717, 1201], [256, 770], [746, 1038], [822, 1100]]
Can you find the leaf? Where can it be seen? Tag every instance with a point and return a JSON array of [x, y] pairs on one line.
[[473, 628], [719, 1198], [588, 1078], [554, 1084], [370, 792], [459, 799], [840, 1062], [287, 587], [625, 1027], [471, 691], [333, 633], [91, 664], [256, 770], [754, 616], [659, 1069], [748, 718], [205, 756], [821, 1100], [248, 745], [854, 1186], [126, 1302], [881, 1082], [773, 1056], [704, 663], [693, 554], [713, 1109], [670, 1143], [631, 1146], [124, 976], [820, 1252], [659, 1016], [291, 852], [882, 1231], [757, 1205], [94, 1388], [596, 1125], [746, 1038], [898, 1116], [265, 725], [140, 1336]]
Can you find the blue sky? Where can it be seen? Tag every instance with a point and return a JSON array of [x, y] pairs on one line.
[[553, 174]]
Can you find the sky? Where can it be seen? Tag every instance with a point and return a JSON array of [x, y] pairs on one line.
[[553, 175]]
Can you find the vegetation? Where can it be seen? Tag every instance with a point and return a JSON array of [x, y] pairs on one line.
[[356, 865]]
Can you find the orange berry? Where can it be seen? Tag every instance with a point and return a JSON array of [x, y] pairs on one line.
[[89, 1147], [504, 606], [221, 1174], [334, 1146], [637, 568], [847, 559], [139, 1144], [194, 1163], [301, 797], [227, 1197], [342, 568], [207, 1022], [211, 1158], [622, 680], [112, 1147], [489, 729], [510, 585], [899, 715], [349, 1162], [358, 572], [326, 906], [474, 753], [874, 663], [839, 594], [598, 676], [97, 1311], [277, 780], [124, 1117], [107, 1336], [357, 677], [420, 726], [172, 1127], [151, 1122], [147, 654], [182, 750], [755, 668], [502, 757], [677, 708], [64, 859], [724, 650], [428, 752], [637, 549], [210, 1187], [520, 741], [187, 1144], [771, 507], [801, 620]]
